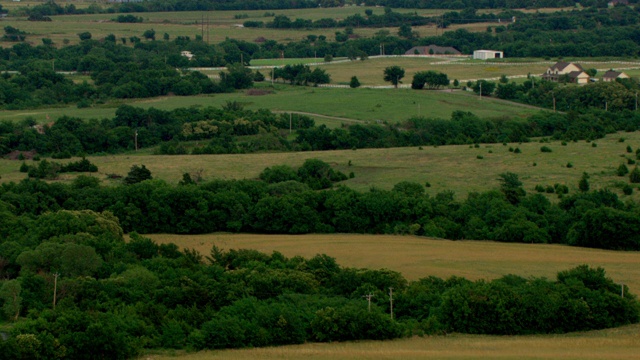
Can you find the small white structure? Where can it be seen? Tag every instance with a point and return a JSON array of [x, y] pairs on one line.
[[487, 54], [187, 54]]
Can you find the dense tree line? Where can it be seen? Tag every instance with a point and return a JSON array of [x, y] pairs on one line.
[[114, 299], [615, 96], [231, 129], [285, 201]]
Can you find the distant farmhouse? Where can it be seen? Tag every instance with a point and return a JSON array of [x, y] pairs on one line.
[[487, 54], [563, 70], [613, 75], [613, 3], [187, 54], [432, 50]]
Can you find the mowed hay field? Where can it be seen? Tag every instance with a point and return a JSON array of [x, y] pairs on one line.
[[369, 72], [454, 167], [619, 343], [418, 257]]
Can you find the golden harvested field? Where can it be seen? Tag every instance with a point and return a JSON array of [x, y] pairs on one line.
[[619, 343], [418, 257]]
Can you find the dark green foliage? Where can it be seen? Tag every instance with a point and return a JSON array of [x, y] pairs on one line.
[[629, 149], [138, 173], [622, 170], [483, 87], [627, 189], [583, 184], [318, 174], [354, 83], [83, 165], [634, 176], [431, 79], [393, 74], [511, 187], [569, 165], [545, 149]]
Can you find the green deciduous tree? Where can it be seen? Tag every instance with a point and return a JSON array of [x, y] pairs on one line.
[[137, 174], [393, 74], [10, 294]]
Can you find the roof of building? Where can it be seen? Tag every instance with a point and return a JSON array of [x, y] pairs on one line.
[[611, 74], [575, 74], [561, 65], [437, 50]]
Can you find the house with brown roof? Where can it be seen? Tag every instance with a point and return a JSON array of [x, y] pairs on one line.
[[570, 72], [432, 50], [613, 75]]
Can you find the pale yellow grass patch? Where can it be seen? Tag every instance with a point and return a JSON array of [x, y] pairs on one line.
[[417, 257], [621, 343]]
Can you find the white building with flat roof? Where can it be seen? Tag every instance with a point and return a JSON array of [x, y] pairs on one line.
[[487, 54]]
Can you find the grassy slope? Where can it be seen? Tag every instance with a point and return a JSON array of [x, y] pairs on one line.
[[445, 168], [362, 104]]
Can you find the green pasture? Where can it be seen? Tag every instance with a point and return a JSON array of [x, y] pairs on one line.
[[372, 105], [456, 168]]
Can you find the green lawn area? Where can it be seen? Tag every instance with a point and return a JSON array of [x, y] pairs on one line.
[[390, 105]]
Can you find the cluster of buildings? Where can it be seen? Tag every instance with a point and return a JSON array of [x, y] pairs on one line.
[[559, 72], [574, 73]]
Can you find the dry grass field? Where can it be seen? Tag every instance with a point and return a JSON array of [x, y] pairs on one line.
[[218, 25], [619, 343], [418, 257]]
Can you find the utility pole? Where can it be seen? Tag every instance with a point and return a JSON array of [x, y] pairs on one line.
[[273, 71], [391, 301], [554, 102], [480, 91], [606, 106], [135, 139], [55, 289], [368, 297], [622, 290]]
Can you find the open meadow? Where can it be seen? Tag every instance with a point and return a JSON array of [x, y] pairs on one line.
[[456, 168]]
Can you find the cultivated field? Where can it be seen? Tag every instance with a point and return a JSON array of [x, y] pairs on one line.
[[619, 343], [453, 168], [214, 26]]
